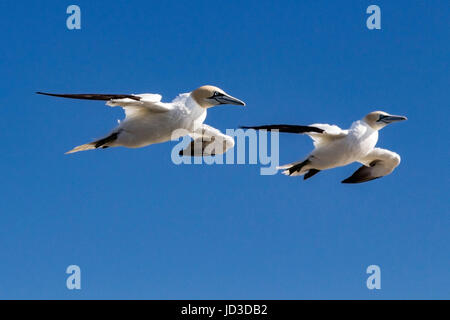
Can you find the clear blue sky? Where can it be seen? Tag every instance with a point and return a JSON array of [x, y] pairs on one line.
[[141, 227]]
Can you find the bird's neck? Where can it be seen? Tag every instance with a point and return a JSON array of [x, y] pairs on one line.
[[374, 127], [361, 128], [193, 108]]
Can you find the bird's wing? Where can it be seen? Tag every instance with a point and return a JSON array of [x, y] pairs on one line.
[[378, 163], [329, 133], [208, 141], [131, 103], [320, 133], [285, 128], [148, 102]]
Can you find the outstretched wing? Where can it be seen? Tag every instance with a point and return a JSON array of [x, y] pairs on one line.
[[208, 141], [286, 128], [329, 134], [377, 164], [320, 133], [91, 96], [132, 103]]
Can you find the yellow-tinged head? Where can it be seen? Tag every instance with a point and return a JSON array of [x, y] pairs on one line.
[[379, 119], [209, 96]]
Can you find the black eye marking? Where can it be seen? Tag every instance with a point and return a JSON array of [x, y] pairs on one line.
[[215, 95], [381, 118]]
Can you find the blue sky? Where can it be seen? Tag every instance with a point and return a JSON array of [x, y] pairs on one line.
[[141, 227]]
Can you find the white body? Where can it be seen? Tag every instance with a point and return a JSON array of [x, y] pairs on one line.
[[336, 148], [143, 126], [355, 144], [149, 121]]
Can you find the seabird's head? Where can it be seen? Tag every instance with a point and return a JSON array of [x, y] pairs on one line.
[[379, 119], [209, 96]]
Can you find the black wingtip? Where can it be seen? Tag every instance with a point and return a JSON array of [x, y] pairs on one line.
[[310, 173], [91, 96], [353, 180], [287, 128], [47, 94]]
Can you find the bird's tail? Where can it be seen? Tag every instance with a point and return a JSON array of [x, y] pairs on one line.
[[83, 147], [101, 143]]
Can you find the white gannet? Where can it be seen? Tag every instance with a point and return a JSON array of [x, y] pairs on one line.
[[335, 147], [148, 120]]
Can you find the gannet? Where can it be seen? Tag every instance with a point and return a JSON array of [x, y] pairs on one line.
[[335, 147], [148, 120]]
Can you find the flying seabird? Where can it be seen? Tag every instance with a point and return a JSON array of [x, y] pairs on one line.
[[148, 120], [335, 147]]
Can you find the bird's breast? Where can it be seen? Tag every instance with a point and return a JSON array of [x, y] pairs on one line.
[[361, 143]]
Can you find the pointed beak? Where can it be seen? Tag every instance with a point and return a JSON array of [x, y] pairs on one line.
[[226, 99], [391, 119]]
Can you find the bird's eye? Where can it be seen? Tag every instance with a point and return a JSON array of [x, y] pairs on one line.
[[381, 118], [216, 93]]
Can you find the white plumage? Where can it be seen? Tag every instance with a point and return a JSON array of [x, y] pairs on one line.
[[335, 147], [148, 120]]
